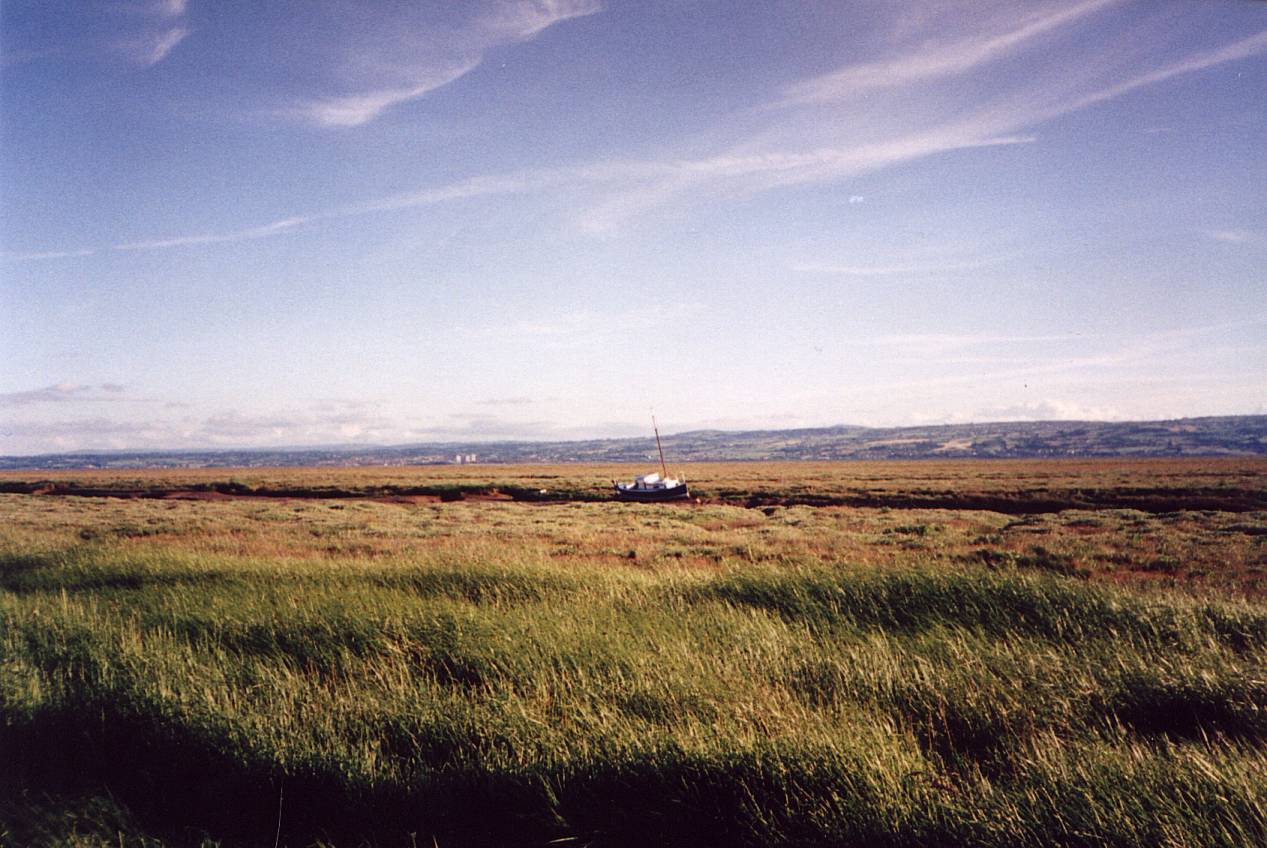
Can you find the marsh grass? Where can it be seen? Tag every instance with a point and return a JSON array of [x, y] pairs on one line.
[[607, 674]]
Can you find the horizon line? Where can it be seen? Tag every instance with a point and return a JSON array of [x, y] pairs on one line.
[[350, 447]]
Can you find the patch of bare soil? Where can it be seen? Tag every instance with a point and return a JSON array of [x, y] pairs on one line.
[[1155, 501], [186, 495]]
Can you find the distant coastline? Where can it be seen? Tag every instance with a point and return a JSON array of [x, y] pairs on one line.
[[1236, 435]]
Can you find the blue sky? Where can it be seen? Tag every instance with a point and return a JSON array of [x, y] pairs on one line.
[[243, 224]]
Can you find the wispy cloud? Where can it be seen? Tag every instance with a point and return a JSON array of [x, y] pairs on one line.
[[168, 8], [59, 393], [232, 428], [1049, 409], [582, 328], [482, 427], [482, 186], [518, 21], [858, 138], [271, 229], [34, 437], [1241, 49], [63, 393], [411, 59], [773, 159], [896, 269], [1238, 237], [777, 157], [352, 110], [140, 32], [754, 172], [931, 62], [943, 342], [151, 48], [39, 256], [1221, 327], [163, 28], [1175, 345], [283, 429]]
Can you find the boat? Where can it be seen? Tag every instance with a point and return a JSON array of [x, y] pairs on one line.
[[654, 486]]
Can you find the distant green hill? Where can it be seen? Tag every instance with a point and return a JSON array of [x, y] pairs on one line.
[[1227, 435], [1235, 435]]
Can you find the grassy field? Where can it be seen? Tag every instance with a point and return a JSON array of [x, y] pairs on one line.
[[388, 664], [1238, 484]]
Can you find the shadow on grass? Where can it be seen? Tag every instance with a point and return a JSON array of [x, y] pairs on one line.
[[183, 783], [71, 571], [1038, 559], [475, 583], [1192, 709], [997, 604], [83, 570]]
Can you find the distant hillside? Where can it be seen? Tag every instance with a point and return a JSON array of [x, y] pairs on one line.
[[1240, 435], [1228, 435]]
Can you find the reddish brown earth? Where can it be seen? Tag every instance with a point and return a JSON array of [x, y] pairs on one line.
[[1153, 500]]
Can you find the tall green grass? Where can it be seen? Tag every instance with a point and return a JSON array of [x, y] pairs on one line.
[[487, 693]]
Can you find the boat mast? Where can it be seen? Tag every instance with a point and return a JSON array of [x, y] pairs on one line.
[[664, 472]]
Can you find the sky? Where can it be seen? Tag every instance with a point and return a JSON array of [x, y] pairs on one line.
[[237, 224]]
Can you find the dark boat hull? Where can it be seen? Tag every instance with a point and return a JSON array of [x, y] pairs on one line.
[[672, 493]]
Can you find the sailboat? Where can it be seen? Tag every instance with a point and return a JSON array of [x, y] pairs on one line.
[[653, 486]]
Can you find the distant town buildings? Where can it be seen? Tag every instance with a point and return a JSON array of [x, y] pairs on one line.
[[461, 458]]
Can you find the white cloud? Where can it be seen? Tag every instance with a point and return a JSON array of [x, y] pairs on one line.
[[1242, 49], [38, 256], [169, 8], [58, 393], [483, 186], [151, 48], [163, 30], [65, 393], [1175, 346], [275, 428], [1238, 236], [634, 186], [582, 328], [409, 59], [1038, 410], [931, 62], [881, 134], [764, 171], [783, 154], [896, 269], [518, 21], [32, 437], [943, 342], [271, 229], [141, 32], [481, 427], [356, 109]]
